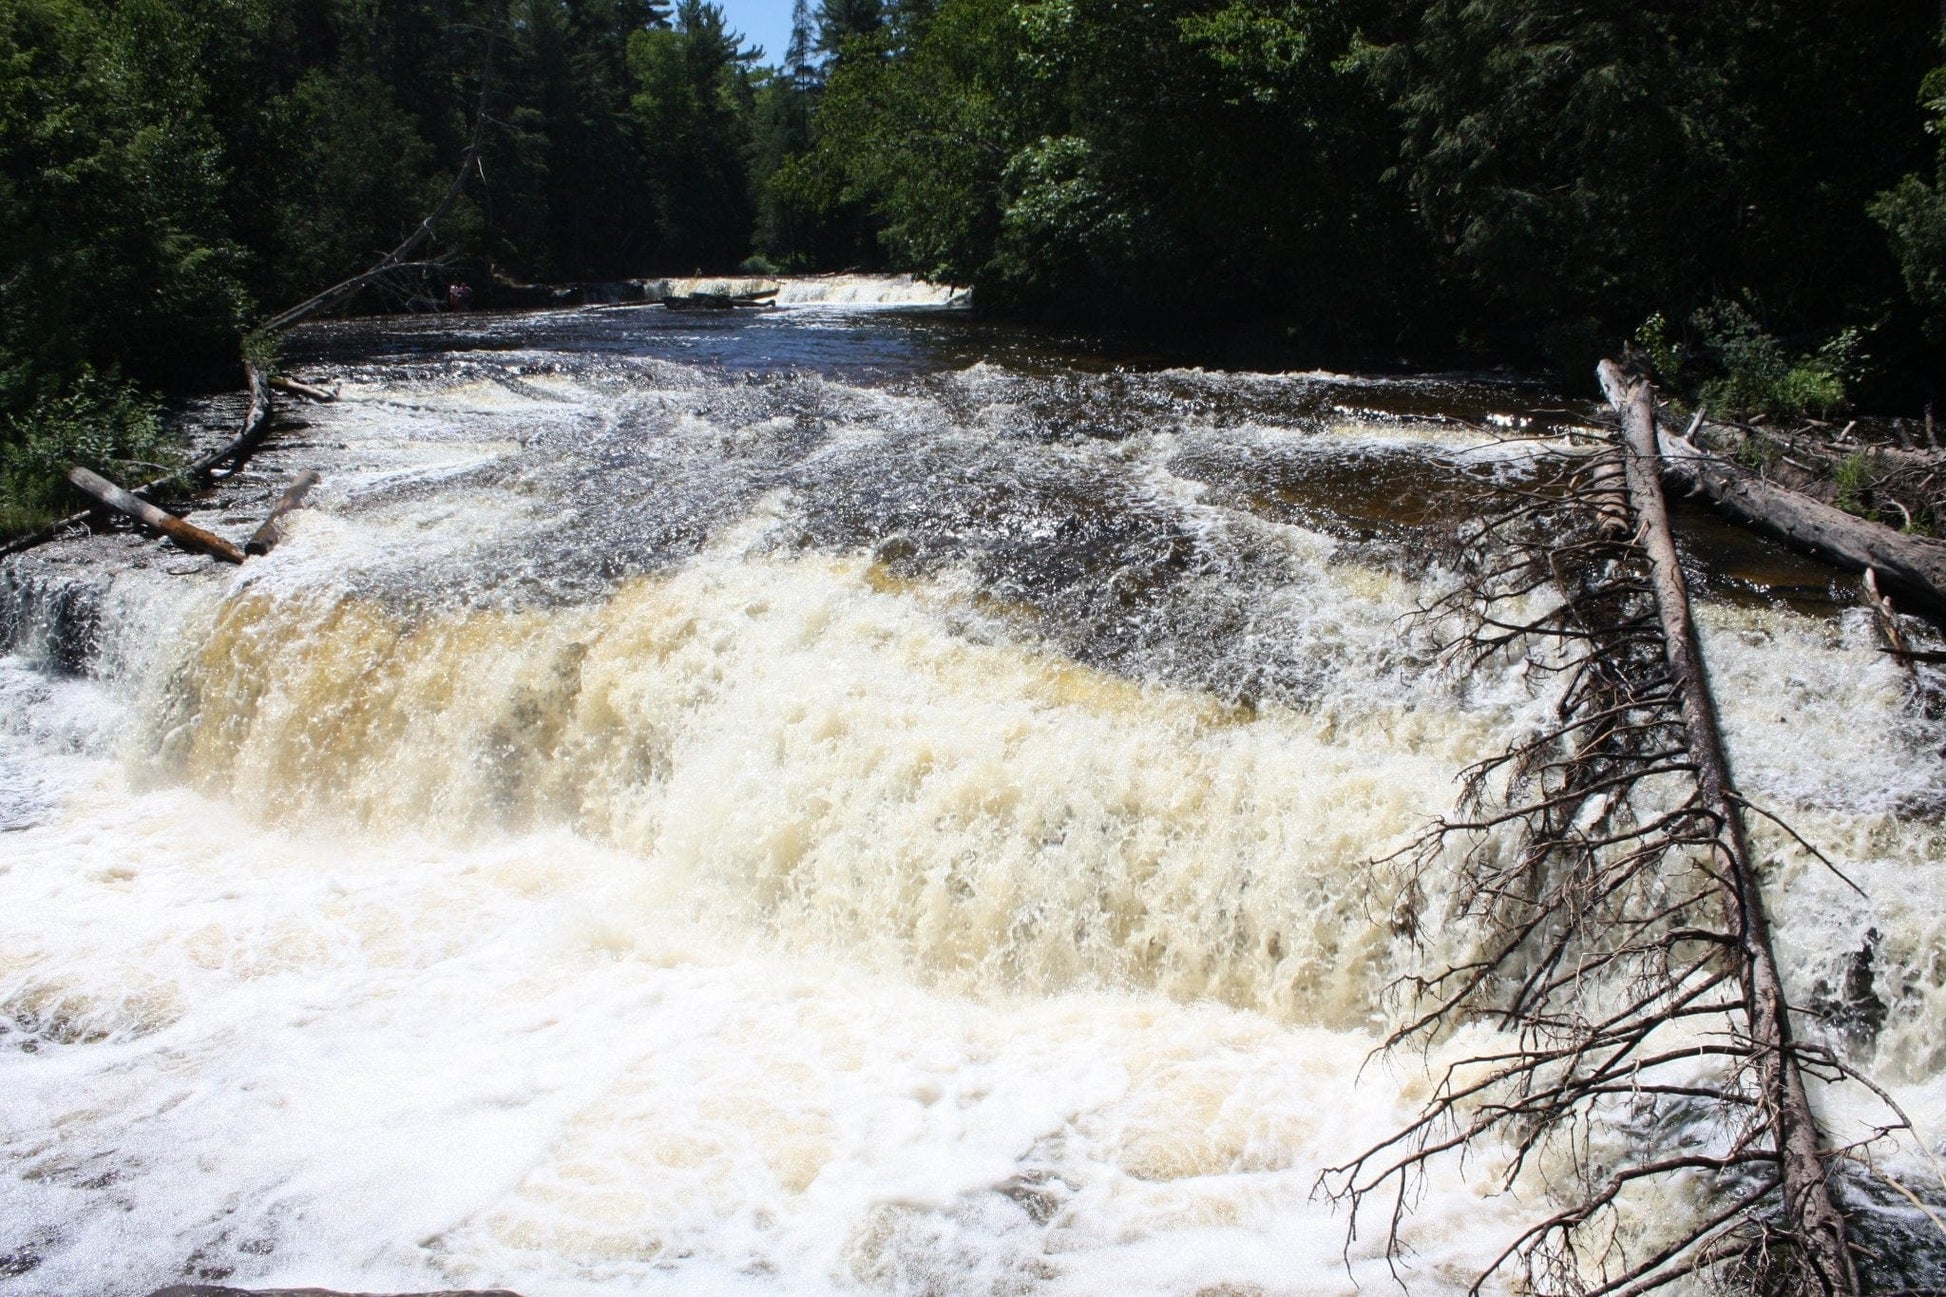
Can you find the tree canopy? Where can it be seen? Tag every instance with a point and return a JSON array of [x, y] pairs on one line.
[[1523, 181]]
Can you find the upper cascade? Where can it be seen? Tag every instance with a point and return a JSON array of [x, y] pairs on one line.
[[821, 290]]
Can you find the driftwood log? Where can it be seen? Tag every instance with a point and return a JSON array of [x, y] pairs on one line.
[[256, 423], [185, 534], [265, 538], [309, 392], [1914, 566]]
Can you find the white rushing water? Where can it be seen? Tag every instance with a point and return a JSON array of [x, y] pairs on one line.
[[821, 290], [833, 892]]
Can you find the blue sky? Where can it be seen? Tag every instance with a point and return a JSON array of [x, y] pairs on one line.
[[763, 22]]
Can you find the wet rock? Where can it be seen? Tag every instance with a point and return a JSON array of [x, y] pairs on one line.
[[1853, 1009]]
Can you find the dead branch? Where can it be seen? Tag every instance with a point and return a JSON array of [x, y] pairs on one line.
[[1621, 944], [397, 258], [309, 392]]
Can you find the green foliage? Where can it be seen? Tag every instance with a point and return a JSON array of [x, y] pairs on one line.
[[1852, 479], [924, 138], [694, 104], [99, 423], [1755, 375], [1090, 156], [1757, 452], [262, 348], [1523, 178], [114, 244], [1913, 214], [1664, 352], [1601, 161]]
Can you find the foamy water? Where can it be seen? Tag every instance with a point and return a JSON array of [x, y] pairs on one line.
[[655, 828]]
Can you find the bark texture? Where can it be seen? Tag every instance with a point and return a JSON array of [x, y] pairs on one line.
[[1810, 1215]]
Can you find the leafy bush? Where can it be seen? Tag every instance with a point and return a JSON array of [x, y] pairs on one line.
[[98, 422], [1663, 351], [1756, 376]]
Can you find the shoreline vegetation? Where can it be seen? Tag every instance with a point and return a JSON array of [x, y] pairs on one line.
[[1751, 194]]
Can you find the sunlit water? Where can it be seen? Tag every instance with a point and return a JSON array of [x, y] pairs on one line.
[[827, 800]]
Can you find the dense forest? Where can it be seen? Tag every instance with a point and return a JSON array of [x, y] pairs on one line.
[[1753, 192]]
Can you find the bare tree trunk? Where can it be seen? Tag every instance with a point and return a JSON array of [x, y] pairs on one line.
[[1809, 1211], [188, 535]]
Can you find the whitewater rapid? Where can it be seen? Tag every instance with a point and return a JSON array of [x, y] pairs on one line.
[[791, 807]]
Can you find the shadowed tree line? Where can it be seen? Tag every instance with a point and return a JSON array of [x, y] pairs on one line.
[[1751, 190], [174, 171]]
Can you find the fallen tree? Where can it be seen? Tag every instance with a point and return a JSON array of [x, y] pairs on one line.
[[186, 534], [1915, 566], [256, 425], [1618, 937]]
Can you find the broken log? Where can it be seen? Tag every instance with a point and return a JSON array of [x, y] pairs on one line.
[[305, 390], [1811, 1219], [1888, 620], [185, 534], [265, 538], [1914, 565]]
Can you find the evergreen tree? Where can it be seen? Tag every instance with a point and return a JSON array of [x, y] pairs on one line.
[[841, 22], [694, 104]]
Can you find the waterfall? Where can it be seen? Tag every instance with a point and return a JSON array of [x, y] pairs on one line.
[[677, 824]]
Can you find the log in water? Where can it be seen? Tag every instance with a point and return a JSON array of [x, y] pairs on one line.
[[828, 800]]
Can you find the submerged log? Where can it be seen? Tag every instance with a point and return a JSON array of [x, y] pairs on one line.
[[1811, 1217], [185, 534], [1914, 565], [265, 538]]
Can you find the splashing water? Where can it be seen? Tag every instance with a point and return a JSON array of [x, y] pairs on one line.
[[811, 802]]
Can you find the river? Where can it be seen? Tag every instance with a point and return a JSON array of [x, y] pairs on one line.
[[848, 798]]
